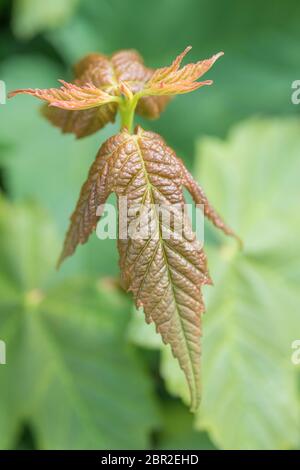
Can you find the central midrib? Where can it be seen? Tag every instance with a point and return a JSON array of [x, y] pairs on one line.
[[161, 241]]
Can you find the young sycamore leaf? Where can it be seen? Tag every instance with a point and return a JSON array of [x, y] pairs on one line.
[[161, 262]]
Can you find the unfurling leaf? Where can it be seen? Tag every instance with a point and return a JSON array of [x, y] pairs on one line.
[[124, 67], [71, 97], [162, 264], [173, 80]]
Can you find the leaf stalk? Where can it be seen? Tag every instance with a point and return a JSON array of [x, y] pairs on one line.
[[127, 110]]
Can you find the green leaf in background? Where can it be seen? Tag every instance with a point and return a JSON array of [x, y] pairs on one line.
[[178, 432], [88, 39], [250, 396], [69, 375], [34, 16]]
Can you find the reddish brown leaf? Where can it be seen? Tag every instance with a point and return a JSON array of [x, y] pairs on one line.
[[151, 107], [164, 268], [81, 123]]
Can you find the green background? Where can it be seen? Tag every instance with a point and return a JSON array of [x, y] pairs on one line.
[[83, 370]]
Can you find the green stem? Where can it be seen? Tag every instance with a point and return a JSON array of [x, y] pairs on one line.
[[127, 110]]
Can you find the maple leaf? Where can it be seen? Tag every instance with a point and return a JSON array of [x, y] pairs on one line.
[[166, 266]]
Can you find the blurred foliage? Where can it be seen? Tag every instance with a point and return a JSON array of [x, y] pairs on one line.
[[73, 378], [33, 16], [254, 311]]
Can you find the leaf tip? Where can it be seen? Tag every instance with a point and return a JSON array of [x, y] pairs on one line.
[[59, 263], [13, 93], [63, 255], [187, 49]]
